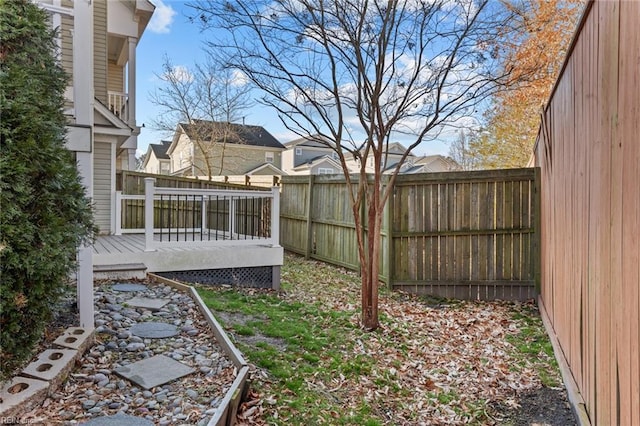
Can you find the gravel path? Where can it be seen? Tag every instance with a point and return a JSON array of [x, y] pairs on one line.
[[93, 389]]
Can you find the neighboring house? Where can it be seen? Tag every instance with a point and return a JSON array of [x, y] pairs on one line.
[[206, 148], [412, 163], [429, 164], [156, 160], [312, 155]]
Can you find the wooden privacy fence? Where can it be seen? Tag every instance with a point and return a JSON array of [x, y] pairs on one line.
[[588, 151], [467, 235]]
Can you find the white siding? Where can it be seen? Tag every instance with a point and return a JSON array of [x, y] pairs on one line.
[[102, 186]]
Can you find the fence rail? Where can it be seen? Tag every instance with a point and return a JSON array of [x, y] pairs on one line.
[[469, 235], [187, 216]]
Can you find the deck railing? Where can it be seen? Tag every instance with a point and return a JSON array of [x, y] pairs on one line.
[[174, 217], [118, 103]]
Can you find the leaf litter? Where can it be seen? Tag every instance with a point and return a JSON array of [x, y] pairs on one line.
[[431, 362]]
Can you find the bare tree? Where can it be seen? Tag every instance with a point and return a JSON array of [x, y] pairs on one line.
[[459, 150], [206, 102], [360, 73]]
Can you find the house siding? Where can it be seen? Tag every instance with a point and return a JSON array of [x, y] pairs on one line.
[[102, 186], [308, 154], [66, 36], [153, 165], [236, 160], [181, 156], [100, 50], [115, 78]]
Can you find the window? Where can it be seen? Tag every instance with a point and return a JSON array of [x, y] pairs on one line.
[[268, 157], [334, 155], [298, 151], [325, 171]]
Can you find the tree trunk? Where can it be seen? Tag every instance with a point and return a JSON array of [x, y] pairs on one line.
[[370, 268]]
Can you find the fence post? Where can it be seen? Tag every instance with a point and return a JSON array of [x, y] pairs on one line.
[[149, 189], [537, 228], [118, 230], [308, 249], [389, 223], [275, 216]]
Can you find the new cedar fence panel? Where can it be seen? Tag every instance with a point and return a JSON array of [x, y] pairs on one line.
[[468, 235], [588, 151]]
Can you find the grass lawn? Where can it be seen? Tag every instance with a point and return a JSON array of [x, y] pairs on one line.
[[431, 362]]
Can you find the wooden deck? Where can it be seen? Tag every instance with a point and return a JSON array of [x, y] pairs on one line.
[[130, 249]]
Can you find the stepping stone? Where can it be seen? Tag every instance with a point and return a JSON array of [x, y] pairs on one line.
[[154, 371], [154, 330], [118, 420], [147, 303], [128, 287]]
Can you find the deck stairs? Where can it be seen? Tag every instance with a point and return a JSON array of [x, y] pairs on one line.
[[120, 271]]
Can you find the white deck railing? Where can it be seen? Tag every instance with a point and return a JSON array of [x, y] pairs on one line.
[[175, 217], [118, 104]]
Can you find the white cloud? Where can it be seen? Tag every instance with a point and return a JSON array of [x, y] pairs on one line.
[[179, 73], [162, 18], [239, 78]]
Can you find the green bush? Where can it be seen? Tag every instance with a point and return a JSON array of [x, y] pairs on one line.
[[44, 213]]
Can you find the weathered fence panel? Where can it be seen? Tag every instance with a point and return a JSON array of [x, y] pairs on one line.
[[468, 235]]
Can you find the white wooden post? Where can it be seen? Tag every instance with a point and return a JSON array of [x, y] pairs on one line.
[[149, 189], [118, 227], [275, 216], [84, 275]]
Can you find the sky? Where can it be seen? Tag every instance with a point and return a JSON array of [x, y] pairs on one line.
[[169, 33]]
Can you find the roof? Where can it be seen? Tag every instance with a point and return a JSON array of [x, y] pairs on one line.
[[432, 163], [241, 134], [263, 166], [316, 161], [317, 141], [160, 150]]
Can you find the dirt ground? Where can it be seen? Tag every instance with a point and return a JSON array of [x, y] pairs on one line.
[[544, 406]]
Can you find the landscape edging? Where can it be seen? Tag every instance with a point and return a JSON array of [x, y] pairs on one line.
[[226, 412]]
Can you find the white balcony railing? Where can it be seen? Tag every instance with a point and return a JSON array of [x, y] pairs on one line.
[[179, 217], [118, 105]]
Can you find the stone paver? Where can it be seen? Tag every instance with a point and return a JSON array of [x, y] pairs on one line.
[[74, 338], [127, 287], [20, 391], [50, 363], [147, 303], [154, 330], [154, 371], [118, 420]]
